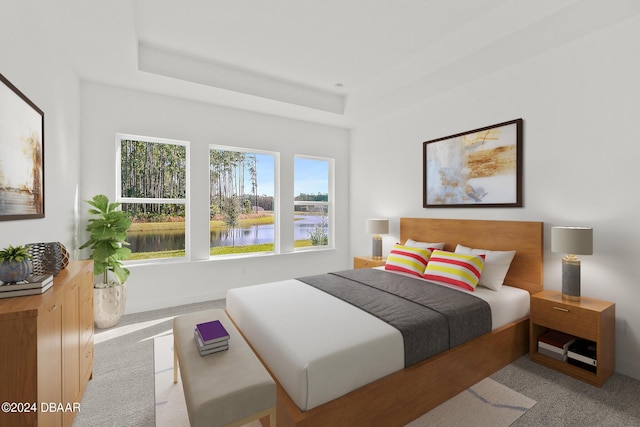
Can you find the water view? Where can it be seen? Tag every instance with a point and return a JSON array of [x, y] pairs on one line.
[[241, 201], [170, 240]]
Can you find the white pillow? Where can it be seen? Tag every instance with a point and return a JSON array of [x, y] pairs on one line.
[[423, 245], [496, 265]]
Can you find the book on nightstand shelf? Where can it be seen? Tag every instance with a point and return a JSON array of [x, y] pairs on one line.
[[555, 344], [32, 285], [582, 353], [552, 353]]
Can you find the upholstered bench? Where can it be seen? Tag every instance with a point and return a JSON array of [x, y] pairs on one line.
[[228, 388]]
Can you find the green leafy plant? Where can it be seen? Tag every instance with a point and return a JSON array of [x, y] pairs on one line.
[[14, 254], [319, 236], [108, 233]]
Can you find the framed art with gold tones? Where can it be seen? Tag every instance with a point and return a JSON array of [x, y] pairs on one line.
[[21, 155], [478, 168]]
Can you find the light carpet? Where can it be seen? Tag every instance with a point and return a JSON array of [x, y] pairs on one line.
[[487, 403]]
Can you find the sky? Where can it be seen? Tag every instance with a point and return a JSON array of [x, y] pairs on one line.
[[311, 175]]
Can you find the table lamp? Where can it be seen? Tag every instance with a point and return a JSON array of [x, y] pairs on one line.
[[377, 227], [571, 241]]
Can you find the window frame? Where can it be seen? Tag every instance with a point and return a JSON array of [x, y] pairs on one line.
[[330, 204], [276, 198], [129, 200]]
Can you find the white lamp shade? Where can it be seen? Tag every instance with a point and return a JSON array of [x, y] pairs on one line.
[[378, 226], [572, 240]]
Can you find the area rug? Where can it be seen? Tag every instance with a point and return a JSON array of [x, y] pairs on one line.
[[171, 409], [487, 403]]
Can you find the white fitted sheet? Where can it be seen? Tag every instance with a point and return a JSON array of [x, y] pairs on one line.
[[320, 347]]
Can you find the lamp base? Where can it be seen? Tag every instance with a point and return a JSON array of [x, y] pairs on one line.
[[571, 278], [570, 297], [376, 247]]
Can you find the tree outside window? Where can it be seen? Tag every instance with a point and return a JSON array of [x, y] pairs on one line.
[[153, 189], [241, 195]]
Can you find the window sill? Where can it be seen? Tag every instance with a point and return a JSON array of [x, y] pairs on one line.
[[222, 258]]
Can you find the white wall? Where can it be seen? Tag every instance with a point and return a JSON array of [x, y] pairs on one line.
[[579, 102], [33, 63], [109, 110]]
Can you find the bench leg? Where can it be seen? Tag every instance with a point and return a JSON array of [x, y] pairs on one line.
[[272, 417], [175, 361], [260, 416]]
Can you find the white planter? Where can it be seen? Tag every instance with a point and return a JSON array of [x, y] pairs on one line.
[[108, 305]]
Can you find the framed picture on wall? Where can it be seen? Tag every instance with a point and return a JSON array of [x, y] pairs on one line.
[[21, 155], [478, 168]]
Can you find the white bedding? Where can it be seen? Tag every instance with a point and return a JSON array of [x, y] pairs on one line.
[[506, 307], [316, 362]]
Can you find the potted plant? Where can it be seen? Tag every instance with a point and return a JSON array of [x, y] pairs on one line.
[[15, 264], [107, 241]]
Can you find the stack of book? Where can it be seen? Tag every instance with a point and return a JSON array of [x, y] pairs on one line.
[[32, 285], [582, 353], [211, 337], [555, 344]]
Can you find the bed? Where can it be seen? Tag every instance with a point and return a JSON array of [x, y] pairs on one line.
[[356, 372]]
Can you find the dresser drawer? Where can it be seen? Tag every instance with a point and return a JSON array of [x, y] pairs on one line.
[[86, 314], [566, 318]]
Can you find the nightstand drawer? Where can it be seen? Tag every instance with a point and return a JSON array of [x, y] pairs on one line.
[[567, 318]]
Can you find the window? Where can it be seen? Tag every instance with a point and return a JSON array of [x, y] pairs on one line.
[[242, 186], [313, 181], [153, 187]]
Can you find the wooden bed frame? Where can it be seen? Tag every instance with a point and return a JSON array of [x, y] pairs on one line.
[[403, 396]]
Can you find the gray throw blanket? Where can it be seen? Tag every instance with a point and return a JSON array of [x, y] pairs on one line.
[[431, 318]]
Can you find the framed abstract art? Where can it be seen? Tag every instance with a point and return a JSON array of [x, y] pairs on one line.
[[478, 168], [21, 155]]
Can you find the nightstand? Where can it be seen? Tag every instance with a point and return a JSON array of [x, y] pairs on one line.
[[589, 318], [367, 262]]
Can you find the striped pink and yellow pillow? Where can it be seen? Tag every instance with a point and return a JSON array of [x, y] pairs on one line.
[[455, 269], [407, 259]]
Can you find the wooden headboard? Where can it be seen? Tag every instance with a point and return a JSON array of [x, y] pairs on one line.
[[525, 237]]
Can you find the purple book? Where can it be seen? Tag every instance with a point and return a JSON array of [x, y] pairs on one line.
[[212, 332]]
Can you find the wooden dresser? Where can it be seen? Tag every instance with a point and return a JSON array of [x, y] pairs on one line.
[[46, 346]]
